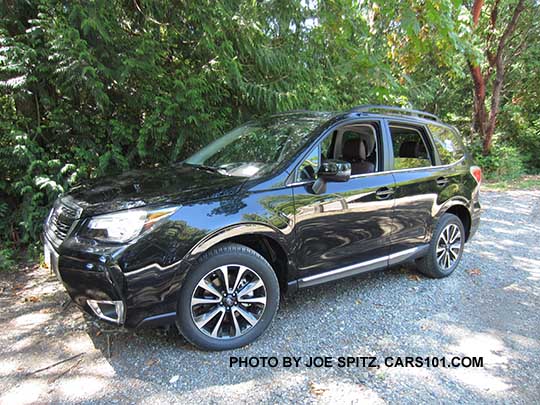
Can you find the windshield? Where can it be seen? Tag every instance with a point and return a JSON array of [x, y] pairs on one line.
[[256, 147]]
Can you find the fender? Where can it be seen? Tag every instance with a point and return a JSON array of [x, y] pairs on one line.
[[445, 206], [454, 202], [165, 298], [239, 229]]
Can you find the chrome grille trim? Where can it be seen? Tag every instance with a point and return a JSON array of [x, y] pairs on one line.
[[61, 220]]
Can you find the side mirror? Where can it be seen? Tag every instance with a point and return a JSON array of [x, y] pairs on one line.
[[335, 171], [331, 171]]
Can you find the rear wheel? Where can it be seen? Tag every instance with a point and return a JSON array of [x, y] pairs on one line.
[[446, 248], [229, 299]]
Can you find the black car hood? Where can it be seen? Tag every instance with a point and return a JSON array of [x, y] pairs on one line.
[[169, 185]]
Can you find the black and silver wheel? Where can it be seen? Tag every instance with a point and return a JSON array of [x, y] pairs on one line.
[[229, 299], [449, 246], [446, 248]]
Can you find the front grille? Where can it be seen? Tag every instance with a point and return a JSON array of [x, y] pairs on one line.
[[61, 218]]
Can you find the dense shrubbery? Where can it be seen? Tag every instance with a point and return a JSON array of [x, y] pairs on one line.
[[95, 88], [504, 161]]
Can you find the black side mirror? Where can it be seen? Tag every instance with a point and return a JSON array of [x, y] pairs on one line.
[[331, 171], [335, 171]]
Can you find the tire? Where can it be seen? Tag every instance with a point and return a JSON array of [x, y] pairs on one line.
[[212, 320], [435, 264]]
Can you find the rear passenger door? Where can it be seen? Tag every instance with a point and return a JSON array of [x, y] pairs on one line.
[[417, 185]]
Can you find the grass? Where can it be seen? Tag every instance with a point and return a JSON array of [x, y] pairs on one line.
[[525, 182]]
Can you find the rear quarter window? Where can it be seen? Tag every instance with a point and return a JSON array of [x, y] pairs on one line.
[[448, 144]]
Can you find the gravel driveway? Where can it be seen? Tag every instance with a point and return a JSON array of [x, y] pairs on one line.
[[489, 307]]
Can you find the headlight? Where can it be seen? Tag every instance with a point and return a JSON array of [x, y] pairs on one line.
[[123, 226]]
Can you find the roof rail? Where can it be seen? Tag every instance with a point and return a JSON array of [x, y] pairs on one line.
[[398, 110]]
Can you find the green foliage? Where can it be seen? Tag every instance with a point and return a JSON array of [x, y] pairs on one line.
[[526, 182], [522, 131], [504, 161], [92, 88], [529, 144], [6, 259]]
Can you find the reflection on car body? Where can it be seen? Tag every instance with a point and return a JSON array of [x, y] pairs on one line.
[[280, 203]]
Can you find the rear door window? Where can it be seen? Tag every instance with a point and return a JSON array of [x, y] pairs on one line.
[[410, 148], [448, 144]]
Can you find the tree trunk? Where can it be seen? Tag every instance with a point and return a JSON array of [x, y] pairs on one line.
[[476, 11], [495, 102], [479, 94], [484, 120]]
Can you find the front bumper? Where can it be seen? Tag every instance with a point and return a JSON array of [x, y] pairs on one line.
[[110, 311], [101, 289]]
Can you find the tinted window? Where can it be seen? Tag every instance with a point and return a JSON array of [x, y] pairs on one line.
[[448, 144], [410, 150]]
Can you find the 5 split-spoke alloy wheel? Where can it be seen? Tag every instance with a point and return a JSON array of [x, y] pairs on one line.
[[228, 301], [228, 298], [449, 246], [445, 249]]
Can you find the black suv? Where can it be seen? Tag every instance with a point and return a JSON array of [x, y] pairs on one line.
[[281, 203]]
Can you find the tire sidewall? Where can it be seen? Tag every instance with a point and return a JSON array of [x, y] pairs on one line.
[[446, 220], [253, 261]]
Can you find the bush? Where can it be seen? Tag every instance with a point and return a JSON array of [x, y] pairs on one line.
[[529, 143], [96, 88], [504, 162], [7, 260]]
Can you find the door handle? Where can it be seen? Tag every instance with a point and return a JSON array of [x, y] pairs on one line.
[[442, 181], [383, 193]]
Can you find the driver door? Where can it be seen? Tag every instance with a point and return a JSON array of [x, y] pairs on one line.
[[350, 222]]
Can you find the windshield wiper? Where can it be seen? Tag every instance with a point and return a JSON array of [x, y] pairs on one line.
[[208, 168]]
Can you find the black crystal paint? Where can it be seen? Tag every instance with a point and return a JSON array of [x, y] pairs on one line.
[[313, 233]]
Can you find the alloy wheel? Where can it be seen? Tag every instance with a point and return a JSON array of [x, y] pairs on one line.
[[449, 246], [228, 301]]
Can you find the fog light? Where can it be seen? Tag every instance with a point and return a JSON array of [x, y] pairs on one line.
[[112, 311]]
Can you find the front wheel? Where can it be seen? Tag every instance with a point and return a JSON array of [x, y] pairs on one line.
[[229, 299], [445, 249]]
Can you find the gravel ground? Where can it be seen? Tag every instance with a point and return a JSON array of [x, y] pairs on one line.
[[488, 307]]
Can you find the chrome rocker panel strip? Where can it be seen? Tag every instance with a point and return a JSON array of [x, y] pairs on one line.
[[370, 265]]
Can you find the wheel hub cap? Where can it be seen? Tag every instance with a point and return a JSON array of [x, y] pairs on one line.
[[228, 301]]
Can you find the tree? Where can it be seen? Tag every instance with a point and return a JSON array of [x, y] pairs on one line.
[[96, 88], [488, 71]]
